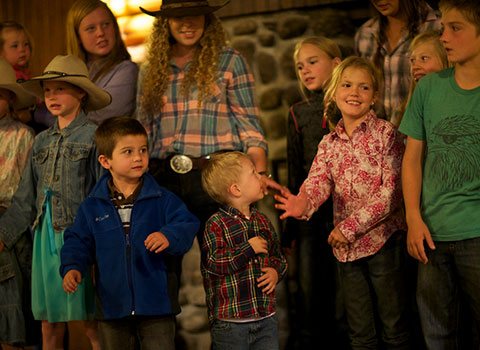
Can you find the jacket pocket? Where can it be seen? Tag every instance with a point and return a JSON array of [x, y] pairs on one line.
[[7, 270]]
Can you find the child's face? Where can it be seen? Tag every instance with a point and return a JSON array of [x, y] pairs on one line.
[[314, 66], [16, 49], [5, 98], [97, 33], [187, 31], [354, 95], [424, 60], [62, 99], [387, 8], [129, 159], [249, 183], [459, 38]]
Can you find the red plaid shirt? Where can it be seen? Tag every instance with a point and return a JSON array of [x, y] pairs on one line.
[[230, 267]]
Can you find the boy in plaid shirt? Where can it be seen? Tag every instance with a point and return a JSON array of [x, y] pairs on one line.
[[241, 257]]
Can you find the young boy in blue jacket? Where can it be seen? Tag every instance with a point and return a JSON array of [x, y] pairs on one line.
[[128, 227]]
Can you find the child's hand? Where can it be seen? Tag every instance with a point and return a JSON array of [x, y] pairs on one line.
[[71, 281], [294, 206], [336, 239], [156, 242], [259, 245], [418, 234], [2, 246], [268, 280]]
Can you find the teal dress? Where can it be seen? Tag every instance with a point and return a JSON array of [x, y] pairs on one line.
[[49, 301]]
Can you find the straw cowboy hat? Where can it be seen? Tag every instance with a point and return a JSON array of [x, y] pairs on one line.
[[70, 69], [8, 81], [182, 8]]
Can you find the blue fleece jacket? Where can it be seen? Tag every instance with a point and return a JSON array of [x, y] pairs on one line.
[[130, 280]]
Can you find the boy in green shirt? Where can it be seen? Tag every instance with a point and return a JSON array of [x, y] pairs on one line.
[[441, 181]]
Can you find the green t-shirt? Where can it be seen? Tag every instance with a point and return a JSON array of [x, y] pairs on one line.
[[447, 118]]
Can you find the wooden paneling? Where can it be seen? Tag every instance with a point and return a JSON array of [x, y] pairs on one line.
[[45, 20]]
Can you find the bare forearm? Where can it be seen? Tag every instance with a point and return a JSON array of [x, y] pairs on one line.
[[259, 158]]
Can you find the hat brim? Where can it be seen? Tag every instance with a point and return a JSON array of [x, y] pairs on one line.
[[97, 97], [23, 98], [185, 11]]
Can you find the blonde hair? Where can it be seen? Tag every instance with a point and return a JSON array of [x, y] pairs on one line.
[[12, 25], [222, 171], [201, 74], [432, 37], [328, 46], [76, 14], [470, 9], [331, 109]]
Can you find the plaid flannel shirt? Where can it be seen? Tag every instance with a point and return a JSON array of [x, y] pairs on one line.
[[230, 267], [226, 120], [396, 64]]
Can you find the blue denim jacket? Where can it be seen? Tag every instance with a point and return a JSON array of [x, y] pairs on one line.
[[62, 161]]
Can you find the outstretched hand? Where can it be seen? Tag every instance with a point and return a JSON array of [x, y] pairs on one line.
[[156, 242], [293, 206], [269, 183]]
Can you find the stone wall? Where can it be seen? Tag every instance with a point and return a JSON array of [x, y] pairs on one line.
[[267, 42]]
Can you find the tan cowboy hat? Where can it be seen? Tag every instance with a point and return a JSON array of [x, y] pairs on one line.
[[8, 81], [73, 70], [182, 8]]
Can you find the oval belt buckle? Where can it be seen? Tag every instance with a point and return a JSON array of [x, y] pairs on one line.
[[181, 164]]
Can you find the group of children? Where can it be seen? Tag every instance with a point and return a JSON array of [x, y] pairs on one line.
[[117, 231]]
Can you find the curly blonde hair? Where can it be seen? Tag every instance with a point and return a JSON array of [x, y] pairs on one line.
[[201, 74]]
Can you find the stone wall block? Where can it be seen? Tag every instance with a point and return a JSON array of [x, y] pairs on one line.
[[245, 27], [292, 26], [286, 63], [291, 94], [267, 67], [276, 126], [266, 39], [271, 98], [332, 23], [193, 319], [246, 47]]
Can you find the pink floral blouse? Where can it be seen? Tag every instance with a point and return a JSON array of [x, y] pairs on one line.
[[363, 174]]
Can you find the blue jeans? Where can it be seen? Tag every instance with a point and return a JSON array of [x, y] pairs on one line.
[[152, 333], [375, 291], [256, 335], [451, 278]]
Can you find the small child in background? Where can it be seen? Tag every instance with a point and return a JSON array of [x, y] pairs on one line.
[[241, 257], [61, 171], [16, 48], [314, 317], [427, 55], [359, 163], [15, 263], [128, 227]]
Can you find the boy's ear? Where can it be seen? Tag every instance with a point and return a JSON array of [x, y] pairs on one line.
[[336, 61], [103, 160], [234, 190]]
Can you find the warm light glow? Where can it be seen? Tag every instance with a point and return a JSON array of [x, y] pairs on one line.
[[134, 25], [151, 5], [118, 7]]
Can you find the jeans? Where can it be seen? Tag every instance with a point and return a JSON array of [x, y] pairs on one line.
[[255, 335], [449, 280], [153, 333], [375, 292]]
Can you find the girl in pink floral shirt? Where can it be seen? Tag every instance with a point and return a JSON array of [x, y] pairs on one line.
[[359, 163]]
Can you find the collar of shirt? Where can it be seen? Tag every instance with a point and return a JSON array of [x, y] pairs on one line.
[[235, 213], [340, 128]]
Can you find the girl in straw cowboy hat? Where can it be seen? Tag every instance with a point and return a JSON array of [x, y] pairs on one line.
[[61, 171], [15, 262]]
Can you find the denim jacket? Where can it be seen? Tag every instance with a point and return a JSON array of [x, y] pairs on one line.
[[62, 161]]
